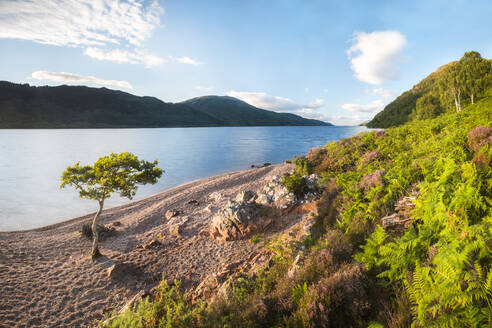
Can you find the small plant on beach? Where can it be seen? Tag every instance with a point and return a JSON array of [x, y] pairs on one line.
[[256, 238], [114, 173]]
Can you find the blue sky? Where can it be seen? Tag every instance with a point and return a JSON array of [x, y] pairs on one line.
[[340, 61]]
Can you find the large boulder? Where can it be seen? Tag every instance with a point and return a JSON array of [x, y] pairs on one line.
[[275, 194], [239, 218]]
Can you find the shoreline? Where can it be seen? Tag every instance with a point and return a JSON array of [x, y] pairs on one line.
[[49, 279], [147, 198]]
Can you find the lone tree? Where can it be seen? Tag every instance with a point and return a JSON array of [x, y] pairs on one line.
[[114, 173]]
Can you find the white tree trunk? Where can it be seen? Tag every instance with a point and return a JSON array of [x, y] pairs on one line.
[[95, 234], [472, 98], [456, 103]]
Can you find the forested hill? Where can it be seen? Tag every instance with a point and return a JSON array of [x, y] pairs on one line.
[[238, 112], [25, 106], [433, 95]]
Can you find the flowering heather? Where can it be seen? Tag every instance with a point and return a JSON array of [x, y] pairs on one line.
[[478, 137], [380, 134], [313, 153], [371, 156], [372, 180]]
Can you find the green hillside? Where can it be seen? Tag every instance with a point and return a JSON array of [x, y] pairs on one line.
[[399, 110], [427, 99], [23, 107]]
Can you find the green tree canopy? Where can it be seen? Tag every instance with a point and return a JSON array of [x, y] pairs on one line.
[[428, 106], [451, 87], [476, 72], [121, 173]]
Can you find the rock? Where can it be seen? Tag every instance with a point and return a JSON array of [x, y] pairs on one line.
[[119, 271], [295, 265], [206, 288], [205, 232], [172, 213], [312, 182], [141, 295], [102, 231], [176, 226], [116, 223], [237, 221], [276, 195], [246, 197], [152, 244], [192, 202]]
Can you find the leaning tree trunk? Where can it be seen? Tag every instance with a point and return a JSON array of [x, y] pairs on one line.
[[95, 234]]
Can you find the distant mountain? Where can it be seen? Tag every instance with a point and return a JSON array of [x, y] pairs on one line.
[[25, 106], [233, 111]]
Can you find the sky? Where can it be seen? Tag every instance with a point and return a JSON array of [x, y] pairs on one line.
[[338, 61]]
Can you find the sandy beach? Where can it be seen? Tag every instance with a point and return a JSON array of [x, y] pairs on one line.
[[47, 278]]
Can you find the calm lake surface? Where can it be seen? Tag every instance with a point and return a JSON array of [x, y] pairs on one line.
[[32, 161]]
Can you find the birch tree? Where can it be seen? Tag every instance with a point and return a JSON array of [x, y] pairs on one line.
[[451, 85], [121, 173], [476, 72]]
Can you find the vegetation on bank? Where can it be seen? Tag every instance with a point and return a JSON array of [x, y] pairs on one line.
[[450, 87], [436, 272], [431, 267]]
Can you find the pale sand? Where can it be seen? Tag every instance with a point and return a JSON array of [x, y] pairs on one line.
[[48, 280]]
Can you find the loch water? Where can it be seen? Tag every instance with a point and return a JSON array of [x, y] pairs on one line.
[[31, 161]]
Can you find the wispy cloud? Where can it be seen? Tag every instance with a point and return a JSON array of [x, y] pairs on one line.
[[385, 94], [348, 120], [72, 78], [79, 22], [280, 104], [123, 56], [188, 61], [85, 24], [373, 107], [375, 56]]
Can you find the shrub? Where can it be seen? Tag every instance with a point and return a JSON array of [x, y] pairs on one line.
[[295, 183], [338, 300]]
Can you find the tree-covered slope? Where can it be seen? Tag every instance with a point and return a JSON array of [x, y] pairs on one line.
[[237, 112], [399, 110], [24, 106], [449, 88]]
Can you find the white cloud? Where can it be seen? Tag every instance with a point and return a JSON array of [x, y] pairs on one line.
[[373, 107], [79, 22], [188, 61], [280, 104], [77, 79], [385, 94], [85, 24], [348, 120], [262, 100], [375, 56], [123, 56]]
